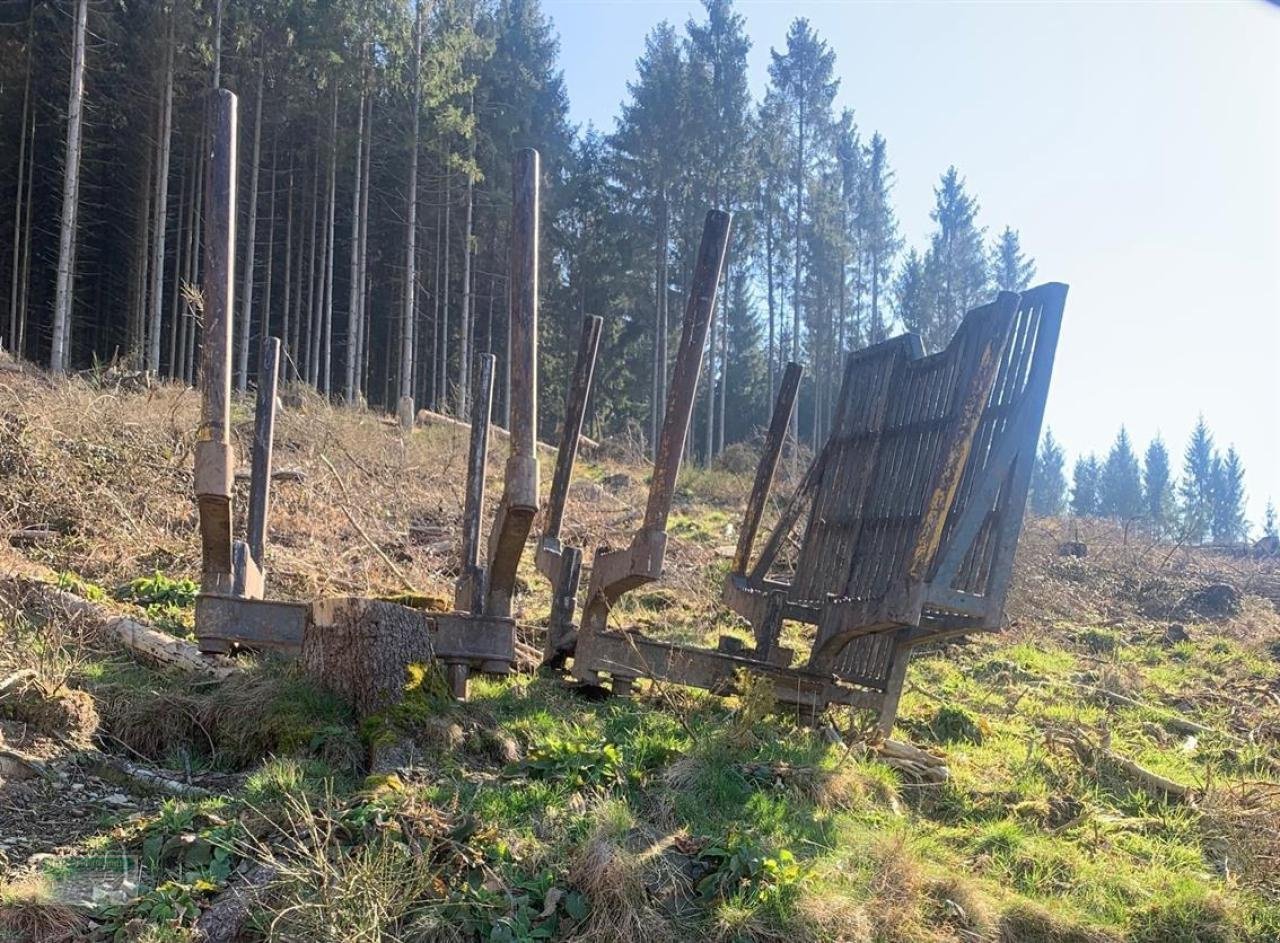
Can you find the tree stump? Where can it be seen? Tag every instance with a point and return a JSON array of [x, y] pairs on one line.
[[360, 649]]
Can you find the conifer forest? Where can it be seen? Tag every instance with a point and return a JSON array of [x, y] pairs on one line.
[[374, 198]]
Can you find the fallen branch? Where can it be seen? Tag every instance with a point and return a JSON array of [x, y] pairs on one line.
[[1173, 720], [15, 765], [142, 640], [912, 761], [1089, 753], [430, 415], [140, 777]]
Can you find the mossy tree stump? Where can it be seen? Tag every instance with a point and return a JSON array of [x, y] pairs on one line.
[[361, 649]]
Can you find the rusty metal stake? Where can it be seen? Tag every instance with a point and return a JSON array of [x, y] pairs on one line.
[[615, 572], [214, 462], [520, 483], [471, 588], [561, 565]]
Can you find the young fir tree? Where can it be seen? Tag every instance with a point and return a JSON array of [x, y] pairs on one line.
[[1011, 270], [1269, 521], [881, 243], [1229, 524], [956, 263], [911, 294], [1157, 486], [1120, 485], [1084, 487], [1048, 496], [1196, 489]]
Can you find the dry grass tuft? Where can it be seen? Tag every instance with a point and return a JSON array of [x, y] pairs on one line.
[[961, 903], [613, 877], [1241, 824], [834, 917], [29, 912], [325, 892], [1027, 922], [897, 890]]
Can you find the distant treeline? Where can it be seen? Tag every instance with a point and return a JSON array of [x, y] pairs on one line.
[[376, 139], [1206, 503]]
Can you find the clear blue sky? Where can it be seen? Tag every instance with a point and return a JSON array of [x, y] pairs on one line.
[[1135, 146]]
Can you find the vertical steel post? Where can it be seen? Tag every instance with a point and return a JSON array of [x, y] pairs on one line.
[[214, 468]]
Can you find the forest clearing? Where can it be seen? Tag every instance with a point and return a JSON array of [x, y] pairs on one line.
[[529, 812], [425, 516]]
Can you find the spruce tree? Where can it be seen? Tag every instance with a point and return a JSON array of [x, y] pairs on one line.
[[956, 264], [1196, 489], [1120, 484], [881, 243], [1157, 486], [1269, 521], [803, 85], [911, 294], [1011, 270], [1229, 524], [1084, 487], [1048, 497]]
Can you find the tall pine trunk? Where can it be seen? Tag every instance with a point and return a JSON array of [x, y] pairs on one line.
[[70, 197], [265, 329], [286, 312], [464, 354], [409, 312], [26, 247], [795, 286], [331, 238], [773, 317], [15, 330], [161, 208], [135, 338], [195, 235], [363, 320], [177, 270], [250, 246], [353, 296], [314, 296]]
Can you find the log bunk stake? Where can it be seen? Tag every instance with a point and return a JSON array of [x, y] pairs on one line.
[[359, 647]]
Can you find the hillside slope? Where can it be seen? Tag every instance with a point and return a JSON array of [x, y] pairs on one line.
[[1113, 757]]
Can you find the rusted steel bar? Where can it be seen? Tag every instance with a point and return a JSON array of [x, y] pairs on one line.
[[575, 411], [562, 566], [264, 431], [684, 381], [214, 466], [773, 442], [471, 588], [520, 482], [615, 572]]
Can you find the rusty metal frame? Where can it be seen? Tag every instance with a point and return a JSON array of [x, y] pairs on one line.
[[977, 492]]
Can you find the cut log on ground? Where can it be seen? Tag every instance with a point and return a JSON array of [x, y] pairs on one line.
[[428, 415], [23, 579], [1092, 754]]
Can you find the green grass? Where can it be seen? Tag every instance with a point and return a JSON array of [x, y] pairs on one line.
[[775, 832]]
